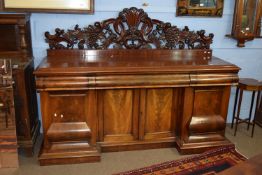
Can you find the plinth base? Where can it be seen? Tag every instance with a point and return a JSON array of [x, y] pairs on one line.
[[69, 156], [196, 148]]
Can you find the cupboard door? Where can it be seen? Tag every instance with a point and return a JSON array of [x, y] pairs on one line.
[[118, 115], [159, 110]]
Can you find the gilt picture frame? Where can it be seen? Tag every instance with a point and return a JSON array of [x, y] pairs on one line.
[[205, 8], [49, 6]]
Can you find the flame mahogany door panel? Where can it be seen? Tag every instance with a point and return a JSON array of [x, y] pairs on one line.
[[118, 116], [159, 110], [135, 118]]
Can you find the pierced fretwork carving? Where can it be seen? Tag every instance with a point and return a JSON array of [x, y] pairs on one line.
[[132, 29]]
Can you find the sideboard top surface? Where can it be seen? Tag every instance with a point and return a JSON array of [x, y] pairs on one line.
[[130, 61]]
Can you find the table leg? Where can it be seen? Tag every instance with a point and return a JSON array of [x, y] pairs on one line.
[[238, 110], [251, 109], [235, 105], [257, 108]]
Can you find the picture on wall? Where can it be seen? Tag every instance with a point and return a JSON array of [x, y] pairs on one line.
[[211, 8], [56, 6]]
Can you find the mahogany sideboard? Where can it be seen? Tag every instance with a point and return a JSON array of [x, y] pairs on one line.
[[16, 45], [132, 83]]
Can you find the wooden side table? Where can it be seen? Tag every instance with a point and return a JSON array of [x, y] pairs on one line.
[[245, 84]]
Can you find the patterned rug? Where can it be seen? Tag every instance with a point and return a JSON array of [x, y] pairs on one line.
[[208, 163]]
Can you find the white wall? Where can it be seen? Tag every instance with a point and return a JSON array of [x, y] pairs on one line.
[[248, 58]]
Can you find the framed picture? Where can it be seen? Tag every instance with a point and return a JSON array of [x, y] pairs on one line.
[[211, 8], [52, 6]]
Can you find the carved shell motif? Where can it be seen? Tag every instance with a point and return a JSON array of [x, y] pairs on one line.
[[132, 29]]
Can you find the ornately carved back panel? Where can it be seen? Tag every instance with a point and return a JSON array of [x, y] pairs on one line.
[[132, 29]]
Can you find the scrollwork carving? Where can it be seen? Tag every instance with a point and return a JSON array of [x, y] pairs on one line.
[[132, 29]]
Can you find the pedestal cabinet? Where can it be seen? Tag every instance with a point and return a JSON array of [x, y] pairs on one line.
[[203, 118], [16, 45], [8, 138], [70, 131]]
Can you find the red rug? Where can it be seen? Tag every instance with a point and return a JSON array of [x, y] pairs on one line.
[[208, 163]]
